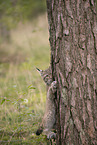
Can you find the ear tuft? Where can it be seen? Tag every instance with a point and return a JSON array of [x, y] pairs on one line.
[[38, 69]]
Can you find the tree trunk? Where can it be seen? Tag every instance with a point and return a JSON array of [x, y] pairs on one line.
[[73, 41]]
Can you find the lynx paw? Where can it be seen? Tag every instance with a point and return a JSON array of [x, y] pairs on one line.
[[51, 135], [54, 86]]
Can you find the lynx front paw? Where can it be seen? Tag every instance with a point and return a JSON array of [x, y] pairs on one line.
[[54, 86], [51, 135]]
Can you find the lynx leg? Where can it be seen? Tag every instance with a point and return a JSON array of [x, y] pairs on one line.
[[49, 134], [54, 86]]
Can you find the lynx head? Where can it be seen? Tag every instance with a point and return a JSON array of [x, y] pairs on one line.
[[46, 75]]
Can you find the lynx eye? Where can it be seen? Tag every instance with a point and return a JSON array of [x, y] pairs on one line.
[[46, 76], [46, 79]]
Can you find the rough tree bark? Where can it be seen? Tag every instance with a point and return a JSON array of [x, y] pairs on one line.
[[73, 41]]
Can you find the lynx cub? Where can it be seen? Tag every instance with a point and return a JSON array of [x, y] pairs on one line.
[[49, 120]]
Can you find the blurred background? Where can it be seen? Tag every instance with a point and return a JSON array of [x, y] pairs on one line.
[[24, 46]]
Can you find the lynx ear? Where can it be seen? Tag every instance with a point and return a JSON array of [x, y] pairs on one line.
[[40, 71]]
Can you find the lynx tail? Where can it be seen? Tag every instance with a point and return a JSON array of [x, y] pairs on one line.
[[39, 131]]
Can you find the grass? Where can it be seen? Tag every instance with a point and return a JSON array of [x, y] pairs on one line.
[[22, 91]]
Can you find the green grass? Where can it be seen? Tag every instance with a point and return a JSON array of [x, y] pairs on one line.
[[22, 91]]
